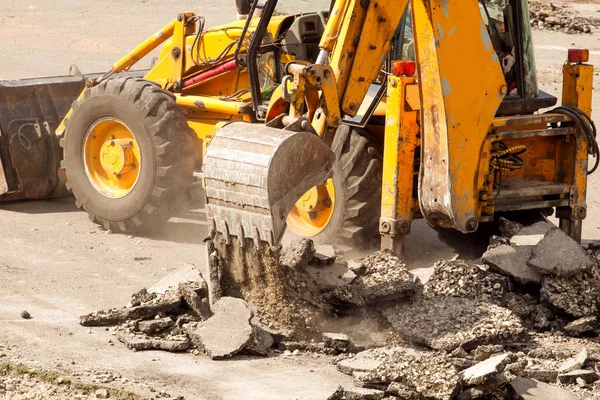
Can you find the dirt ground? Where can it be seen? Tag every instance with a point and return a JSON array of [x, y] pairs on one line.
[[57, 265]]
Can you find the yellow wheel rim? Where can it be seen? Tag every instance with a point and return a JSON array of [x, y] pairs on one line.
[[112, 159], [312, 213]]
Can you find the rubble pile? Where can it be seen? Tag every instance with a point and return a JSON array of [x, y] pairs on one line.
[[556, 17], [384, 278], [462, 279], [284, 296], [180, 319], [523, 325]]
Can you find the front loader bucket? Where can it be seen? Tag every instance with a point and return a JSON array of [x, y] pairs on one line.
[[253, 175], [30, 112]]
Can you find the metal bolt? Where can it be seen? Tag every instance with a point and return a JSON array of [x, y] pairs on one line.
[[112, 143], [385, 227], [393, 82], [472, 224], [503, 89]]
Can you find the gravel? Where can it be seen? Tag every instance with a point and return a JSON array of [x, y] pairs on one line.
[[386, 278], [461, 279], [577, 295], [445, 323], [430, 374]]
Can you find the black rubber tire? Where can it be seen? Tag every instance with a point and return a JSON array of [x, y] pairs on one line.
[[166, 145], [357, 183]]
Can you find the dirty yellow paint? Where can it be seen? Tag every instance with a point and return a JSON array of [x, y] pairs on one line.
[[578, 85], [461, 81], [401, 140]]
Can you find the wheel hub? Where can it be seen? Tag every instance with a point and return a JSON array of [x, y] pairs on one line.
[[112, 158], [116, 156]]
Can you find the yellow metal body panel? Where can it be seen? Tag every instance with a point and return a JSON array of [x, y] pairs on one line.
[[578, 85], [344, 51], [462, 86], [378, 27], [398, 204]]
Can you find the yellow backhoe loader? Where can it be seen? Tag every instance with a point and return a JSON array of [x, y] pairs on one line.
[[465, 134], [132, 143]]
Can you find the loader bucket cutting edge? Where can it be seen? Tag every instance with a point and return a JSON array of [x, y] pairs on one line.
[[253, 176]]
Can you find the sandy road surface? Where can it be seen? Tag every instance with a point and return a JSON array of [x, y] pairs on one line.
[[58, 265]]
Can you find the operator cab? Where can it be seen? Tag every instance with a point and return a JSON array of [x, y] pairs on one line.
[[507, 23]]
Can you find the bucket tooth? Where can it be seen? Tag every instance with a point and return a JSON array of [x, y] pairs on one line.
[[253, 175]]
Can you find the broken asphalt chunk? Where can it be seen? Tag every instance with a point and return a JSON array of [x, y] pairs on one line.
[[227, 332], [169, 303], [531, 389], [559, 255], [512, 261]]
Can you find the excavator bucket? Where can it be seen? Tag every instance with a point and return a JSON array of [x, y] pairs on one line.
[[254, 174]]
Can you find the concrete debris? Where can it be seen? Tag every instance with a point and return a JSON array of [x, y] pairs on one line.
[[531, 389], [558, 254], [214, 265], [357, 267], [415, 373], [508, 228], [336, 341], [482, 372], [154, 326], [577, 295], [260, 342], [485, 389], [555, 17], [358, 393], [227, 332], [142, 296], [512, 261], [447, 323], [143, 342], [484, 352], [366, 361], [171, 302], [283, 297], [338, 394], [570, 378], [101, 394], [582, 383], [460, 279], [531, 235], [298, 254], [542, 375], [324, 255], [195, 295], [386, 279], [583, 325], [574, 363]]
